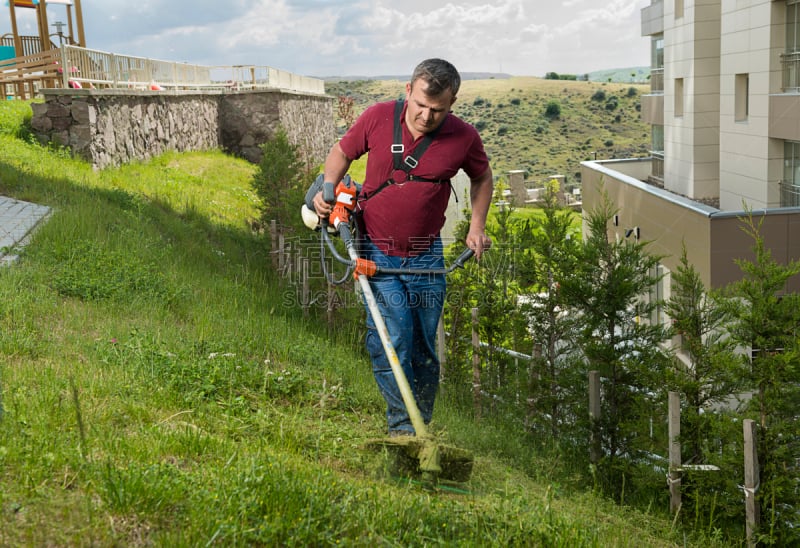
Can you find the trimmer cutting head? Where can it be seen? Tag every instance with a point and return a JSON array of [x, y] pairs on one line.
[[426, 459]]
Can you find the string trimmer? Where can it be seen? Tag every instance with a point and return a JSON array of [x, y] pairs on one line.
[[432, 459]]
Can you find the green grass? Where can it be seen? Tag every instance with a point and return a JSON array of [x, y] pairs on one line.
[[158, 389]]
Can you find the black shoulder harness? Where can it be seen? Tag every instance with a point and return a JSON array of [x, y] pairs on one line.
[[410, 161]]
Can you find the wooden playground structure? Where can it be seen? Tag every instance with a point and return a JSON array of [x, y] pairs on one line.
[[28, 63]]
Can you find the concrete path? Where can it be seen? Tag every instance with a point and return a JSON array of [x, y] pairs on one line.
[[17, 221]]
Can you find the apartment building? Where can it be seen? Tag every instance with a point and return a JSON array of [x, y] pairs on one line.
[[724, 108]]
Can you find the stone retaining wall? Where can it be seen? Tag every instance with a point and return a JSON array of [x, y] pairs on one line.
[[113, 127]]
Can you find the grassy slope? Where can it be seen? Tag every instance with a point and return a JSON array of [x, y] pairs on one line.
[[510, 116], [159, 389]]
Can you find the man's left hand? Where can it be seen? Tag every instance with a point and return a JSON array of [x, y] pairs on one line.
[[478, 242]]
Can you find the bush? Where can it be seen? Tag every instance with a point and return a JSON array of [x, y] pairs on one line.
[[553, 109], [599, 96]]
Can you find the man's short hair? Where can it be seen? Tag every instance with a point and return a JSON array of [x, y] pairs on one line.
[[440, 76]]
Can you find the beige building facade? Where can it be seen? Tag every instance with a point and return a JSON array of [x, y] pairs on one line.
[[724, 112]]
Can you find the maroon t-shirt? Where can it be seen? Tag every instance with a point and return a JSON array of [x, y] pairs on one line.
[[403, 219]]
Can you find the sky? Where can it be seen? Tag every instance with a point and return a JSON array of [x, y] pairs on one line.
[[367, 38]]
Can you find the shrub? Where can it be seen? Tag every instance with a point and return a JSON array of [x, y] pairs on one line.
[[553, 109], [599, 96]]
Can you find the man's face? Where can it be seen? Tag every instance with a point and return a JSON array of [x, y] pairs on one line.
[[426, 113]]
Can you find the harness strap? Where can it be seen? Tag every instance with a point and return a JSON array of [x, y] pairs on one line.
[[410, 161]]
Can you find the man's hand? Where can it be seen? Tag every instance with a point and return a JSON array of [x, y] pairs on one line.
[[322, 207], [478, 242]]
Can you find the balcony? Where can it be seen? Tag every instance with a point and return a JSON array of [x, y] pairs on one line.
[[653, 18], [656, 168], [791, 72], [657, 80], [790, 194]]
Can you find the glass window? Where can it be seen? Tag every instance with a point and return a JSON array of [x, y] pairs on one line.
[[742, 97], [678, 97], [657, 52], [658, 138], [792, 26], [791, 163]]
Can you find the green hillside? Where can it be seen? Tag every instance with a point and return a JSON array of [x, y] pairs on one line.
[[595, 120], [161, 386]]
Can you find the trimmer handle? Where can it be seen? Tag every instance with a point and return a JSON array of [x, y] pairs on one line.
[[328, 192], [463, 258]]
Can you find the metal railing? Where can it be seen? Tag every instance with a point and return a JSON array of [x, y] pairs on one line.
[[791, 71], [657, 80], [93, 68], [657, 164], [790, 194]]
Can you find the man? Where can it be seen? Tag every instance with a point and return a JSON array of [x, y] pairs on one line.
[[415, 147]]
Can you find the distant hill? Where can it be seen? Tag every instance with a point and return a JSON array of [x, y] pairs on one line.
[[593, 120], [630, 75], [615, 75], [406, 77]]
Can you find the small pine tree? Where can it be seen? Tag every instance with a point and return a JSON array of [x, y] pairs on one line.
[[281, 181], [607, 279], [550, 245], [767, 320], [710, 372]]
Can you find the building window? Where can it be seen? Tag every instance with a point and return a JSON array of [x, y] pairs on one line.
[[657, 64], [657, 152], [658, 138], [659, 293], [792, 26], [678, 9], [657, 52], [742, 102], [790, 185], [791, 59], [678, 96]]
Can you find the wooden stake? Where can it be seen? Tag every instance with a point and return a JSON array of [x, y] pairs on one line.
[[476, 365], [595, 452], [273, 233], [305, 299], [674, 433], [751, 480]]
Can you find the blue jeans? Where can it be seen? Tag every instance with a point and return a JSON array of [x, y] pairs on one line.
[[411, 305]]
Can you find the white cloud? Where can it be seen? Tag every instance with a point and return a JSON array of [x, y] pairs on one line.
[[372, 37]]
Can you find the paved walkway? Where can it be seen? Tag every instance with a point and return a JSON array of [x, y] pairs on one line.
[[17, 221]]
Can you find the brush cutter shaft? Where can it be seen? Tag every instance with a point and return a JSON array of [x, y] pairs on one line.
[[380, 325]]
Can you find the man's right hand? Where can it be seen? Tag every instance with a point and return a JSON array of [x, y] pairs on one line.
[[322, 208]]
